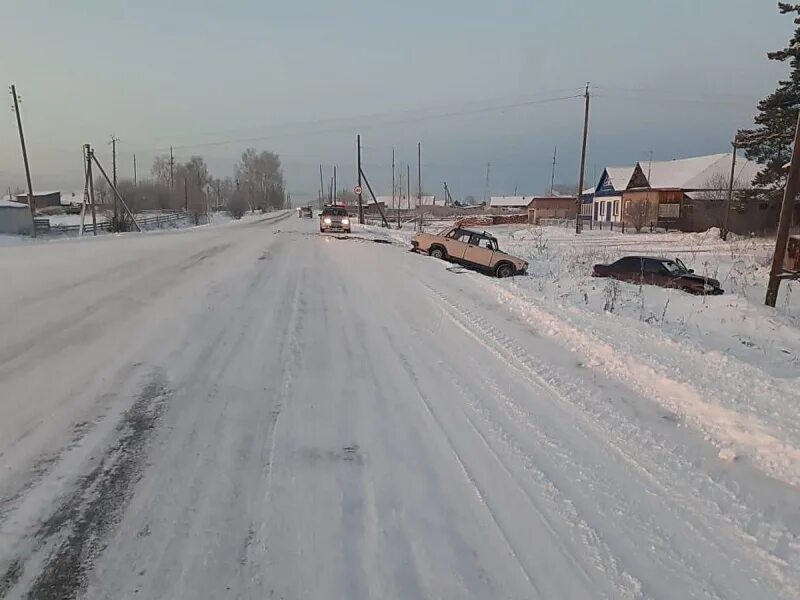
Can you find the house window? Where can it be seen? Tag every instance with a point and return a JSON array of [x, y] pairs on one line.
[[669, 211], [616, 208]]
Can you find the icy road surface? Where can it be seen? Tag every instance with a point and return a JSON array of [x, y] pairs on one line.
[[258, 411]]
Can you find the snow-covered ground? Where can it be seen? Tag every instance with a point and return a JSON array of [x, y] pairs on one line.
[[259, 411]]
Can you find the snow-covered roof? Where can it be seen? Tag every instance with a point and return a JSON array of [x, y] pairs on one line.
[[11, 204], [588, 191], [39, 193], [699, 172], [509, 201], [620, 177], [404, 202]]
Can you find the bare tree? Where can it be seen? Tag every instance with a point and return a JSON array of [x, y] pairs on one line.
[[260, 175], [160, 170], [638, 213]]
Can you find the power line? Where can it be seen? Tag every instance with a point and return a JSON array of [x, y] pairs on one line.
[[348, 128]]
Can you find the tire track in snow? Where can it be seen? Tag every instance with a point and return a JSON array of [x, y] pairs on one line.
[[479, 492]]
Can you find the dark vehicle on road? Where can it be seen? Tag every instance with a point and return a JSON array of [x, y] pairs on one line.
[[663, 272], [334, 218], [306, 212]]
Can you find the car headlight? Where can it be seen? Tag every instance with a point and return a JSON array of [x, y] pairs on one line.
[[345, 221], [327, 221]]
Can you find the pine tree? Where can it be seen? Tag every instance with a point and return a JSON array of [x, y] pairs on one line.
[[770, 142]]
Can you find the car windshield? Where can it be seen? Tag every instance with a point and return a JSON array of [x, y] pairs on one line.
[[334, 212], [675, 267]]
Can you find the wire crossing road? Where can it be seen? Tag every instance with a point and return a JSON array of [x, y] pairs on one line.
[[258, 411]]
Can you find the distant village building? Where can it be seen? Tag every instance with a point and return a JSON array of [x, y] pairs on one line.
[[41, 199], [607, 197], [403, 202], [587, 203], [15, 218], [510, 203], [551, 207]]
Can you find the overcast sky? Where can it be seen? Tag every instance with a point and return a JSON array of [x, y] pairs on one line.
[[464, 77]]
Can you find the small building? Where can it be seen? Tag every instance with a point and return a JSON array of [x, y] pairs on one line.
[[510, 203], [587, 203], [15, 218], [607, 199], [41, 199], [551, 207]]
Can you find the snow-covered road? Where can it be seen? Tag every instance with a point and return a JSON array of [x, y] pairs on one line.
[[258, 411]]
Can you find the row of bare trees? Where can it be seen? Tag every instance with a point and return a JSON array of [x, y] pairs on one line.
[[257, 184]]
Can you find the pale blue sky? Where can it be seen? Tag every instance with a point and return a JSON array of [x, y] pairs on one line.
[[311, 74]]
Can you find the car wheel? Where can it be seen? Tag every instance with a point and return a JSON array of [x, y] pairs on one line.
[[505, 270], [321, 230], [347, 231], [438, 252]]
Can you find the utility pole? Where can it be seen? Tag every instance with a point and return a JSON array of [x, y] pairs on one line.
[[723, 234], [185, 196], [553, 172], [334, 184], [321, 188], [583, 162], [394, 190], [134, 170], [408, 187], [360, 203], [782, 239], [171, 170], [419, 185], [114, 175], [486, 189], [31, 202]]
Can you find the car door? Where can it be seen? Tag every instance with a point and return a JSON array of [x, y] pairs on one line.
[[627, 269], [654, 272], [456, 243], [477, 252]]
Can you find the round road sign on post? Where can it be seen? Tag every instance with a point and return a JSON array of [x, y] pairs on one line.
[[357, 189]]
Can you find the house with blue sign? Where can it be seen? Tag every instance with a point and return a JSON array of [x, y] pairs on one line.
[[607, 200]]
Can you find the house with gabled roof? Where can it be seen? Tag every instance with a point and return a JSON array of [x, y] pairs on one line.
[[671, 192], [607, 199]]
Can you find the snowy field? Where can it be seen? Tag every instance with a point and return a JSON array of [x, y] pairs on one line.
[[260, 411]]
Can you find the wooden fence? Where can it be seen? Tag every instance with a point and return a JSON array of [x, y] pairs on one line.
[[145, 222]]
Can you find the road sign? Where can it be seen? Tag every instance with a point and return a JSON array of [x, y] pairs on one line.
[[357, 189]]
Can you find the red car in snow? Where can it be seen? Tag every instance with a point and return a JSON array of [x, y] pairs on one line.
[[662, 272]]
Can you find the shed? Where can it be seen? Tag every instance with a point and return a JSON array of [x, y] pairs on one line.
[[15, 218], [41, 199], [550, 207], [517, 203]]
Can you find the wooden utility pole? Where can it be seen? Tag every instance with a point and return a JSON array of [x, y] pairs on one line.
[[394, 191], [321, 188], [114, 175], [419, 184], [782, 239], [360, 199], [171, 170], [583, 162], [113, 189], [408, 186], [723, 233], [486, 192], [92, 202], [185, 196], [134, 170], [553, 172], [334, 184], [31, 201]]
